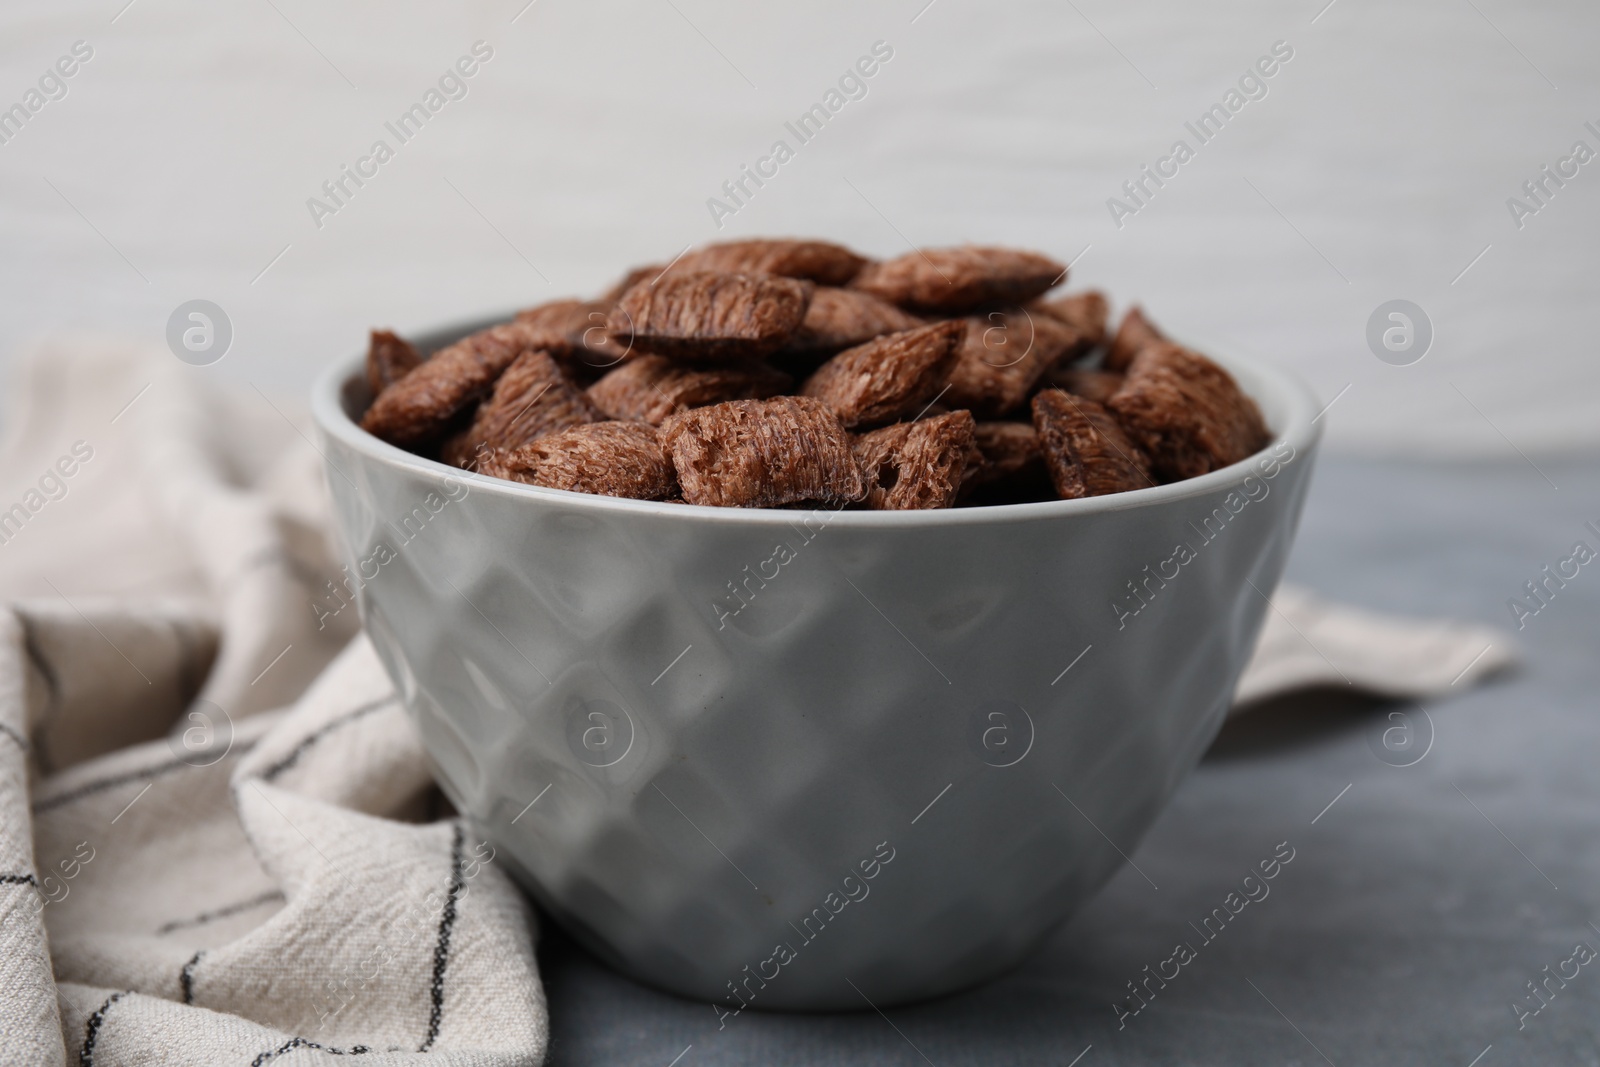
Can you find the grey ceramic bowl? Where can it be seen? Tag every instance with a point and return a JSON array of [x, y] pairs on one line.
[[800, 760]]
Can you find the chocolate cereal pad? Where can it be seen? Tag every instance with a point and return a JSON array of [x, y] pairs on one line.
[[774, 373]]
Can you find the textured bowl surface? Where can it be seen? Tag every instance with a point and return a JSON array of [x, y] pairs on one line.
[[800, 759]]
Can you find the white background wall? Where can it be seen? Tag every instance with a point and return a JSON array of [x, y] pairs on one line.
[[592, 139]]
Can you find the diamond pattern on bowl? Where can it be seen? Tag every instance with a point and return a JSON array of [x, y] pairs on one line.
[[825, 678]]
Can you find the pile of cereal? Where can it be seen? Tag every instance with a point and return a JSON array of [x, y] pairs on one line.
[[776, 373]]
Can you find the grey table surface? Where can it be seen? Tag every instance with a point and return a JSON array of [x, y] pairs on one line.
[[1415, 910]]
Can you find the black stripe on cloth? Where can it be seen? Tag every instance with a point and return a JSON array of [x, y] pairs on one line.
[[62, 799], [19, 879], [306, 1042], [220, 913], [156, 771], [91, 1029], [316, 735], [186, 977], [22, 742], [447, 921]]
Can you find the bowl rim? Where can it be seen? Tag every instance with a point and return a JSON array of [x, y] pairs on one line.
[[1272, 386]]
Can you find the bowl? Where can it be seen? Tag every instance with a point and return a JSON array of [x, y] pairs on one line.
[[811, 759]]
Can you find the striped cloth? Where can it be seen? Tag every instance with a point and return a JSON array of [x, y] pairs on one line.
[[219, 839]]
